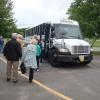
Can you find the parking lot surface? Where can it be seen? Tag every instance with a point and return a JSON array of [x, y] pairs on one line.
[[67, 82]]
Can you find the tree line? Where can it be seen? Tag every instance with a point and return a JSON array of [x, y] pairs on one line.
[[7, 22], [87, 13]]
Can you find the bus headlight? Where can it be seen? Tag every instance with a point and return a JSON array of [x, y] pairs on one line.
[[63, 50]]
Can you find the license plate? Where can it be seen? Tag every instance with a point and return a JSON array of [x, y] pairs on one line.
[[81, 58]]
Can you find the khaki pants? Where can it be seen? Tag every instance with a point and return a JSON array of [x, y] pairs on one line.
[[12, 66]]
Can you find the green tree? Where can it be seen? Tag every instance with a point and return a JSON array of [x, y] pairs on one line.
[[21, 31], [7, 23], [87, 13]]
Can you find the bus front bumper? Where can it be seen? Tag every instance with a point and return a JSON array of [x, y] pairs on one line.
[[75, 58]]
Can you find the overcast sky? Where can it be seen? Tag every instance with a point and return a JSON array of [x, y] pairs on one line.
[[29, 13]]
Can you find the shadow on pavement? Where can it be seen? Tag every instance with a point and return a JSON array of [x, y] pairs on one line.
[[72, 66]]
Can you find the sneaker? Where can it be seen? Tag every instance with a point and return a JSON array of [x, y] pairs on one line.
[[37, 70], [8, 79]]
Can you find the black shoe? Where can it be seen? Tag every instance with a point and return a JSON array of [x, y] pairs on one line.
[[30, 81], [15, 81], [8, 79]]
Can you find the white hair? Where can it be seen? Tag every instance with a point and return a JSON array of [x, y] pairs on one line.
[[37, 37], [14, 35], [33, 41], [19, 36]]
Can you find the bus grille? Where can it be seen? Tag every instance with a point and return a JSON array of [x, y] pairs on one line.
[[80, 49]]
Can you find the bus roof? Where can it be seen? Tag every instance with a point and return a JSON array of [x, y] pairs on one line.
[[70, 22], [64, 21]]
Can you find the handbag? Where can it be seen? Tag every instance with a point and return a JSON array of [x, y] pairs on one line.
[[23, 68]]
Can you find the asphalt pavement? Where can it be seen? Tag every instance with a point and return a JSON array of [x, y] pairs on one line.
[[23, 90], [67, 82]]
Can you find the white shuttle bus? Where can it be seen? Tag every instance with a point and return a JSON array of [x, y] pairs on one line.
[[62, 42]]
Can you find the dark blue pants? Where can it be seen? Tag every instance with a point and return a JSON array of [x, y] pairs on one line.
[[38, 61], [31, 74]]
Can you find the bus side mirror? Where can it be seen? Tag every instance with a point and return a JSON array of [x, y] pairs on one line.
[[52, 31], [52, 28], [52, 34]]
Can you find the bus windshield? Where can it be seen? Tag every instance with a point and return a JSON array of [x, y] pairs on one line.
[[67, 31]]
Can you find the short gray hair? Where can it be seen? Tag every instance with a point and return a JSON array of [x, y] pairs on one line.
[[14, 35]]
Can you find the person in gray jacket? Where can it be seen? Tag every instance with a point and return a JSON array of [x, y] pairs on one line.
[[29, 58]]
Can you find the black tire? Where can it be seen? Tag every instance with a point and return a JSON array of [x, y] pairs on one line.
[[53, 58]]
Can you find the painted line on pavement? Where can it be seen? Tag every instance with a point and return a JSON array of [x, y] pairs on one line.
[[44, 86]]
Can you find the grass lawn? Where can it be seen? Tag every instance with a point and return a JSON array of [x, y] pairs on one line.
[[96, 52], [97, 43]]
